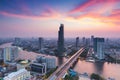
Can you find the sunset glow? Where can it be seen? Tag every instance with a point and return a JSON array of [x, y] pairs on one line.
[[34, 18]]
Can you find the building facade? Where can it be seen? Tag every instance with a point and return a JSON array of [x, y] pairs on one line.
[[83, 41], [61, 40], [38, 68], [99, 47], [77, 43], [10, 54], [40, 43], [21, 74], [92, 39], [1, 53], [50, 61]]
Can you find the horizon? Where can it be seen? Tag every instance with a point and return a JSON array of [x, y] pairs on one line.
[[81, 18]]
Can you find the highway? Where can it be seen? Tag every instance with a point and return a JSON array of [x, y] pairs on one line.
[[60, 72]]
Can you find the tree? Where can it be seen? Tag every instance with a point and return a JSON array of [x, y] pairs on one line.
[[96, 77]]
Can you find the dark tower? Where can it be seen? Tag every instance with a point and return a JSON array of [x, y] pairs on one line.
[[61, 40], [77, 42], [40, 43]]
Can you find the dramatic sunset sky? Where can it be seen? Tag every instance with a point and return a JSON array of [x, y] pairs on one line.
[[42, 18]]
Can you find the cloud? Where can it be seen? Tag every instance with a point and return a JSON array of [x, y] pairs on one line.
[[79, 8], [27, 10], [115, 12], [103, 10], [101, 7], [27, 14]]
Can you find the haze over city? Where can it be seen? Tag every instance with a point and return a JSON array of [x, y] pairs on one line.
[[26, 18], [59, 39]]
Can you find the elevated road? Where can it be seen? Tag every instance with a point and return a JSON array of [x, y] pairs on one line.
[[60, 72]]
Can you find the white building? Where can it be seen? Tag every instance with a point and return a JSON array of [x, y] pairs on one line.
[[83, 77], [10, 54], [22, 74]]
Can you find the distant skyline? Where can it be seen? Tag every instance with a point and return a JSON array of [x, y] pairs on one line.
[[41, 18]]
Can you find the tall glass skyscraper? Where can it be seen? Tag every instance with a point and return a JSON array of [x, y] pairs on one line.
[[40, 43], [99, 47], [61, 40], [77, 42]]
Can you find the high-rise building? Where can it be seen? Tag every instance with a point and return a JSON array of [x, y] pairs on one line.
[[40, 43], [99, 47], [77, 43], [21, 74], [87, 43], [92, 38], [17, 40], [10, 54], [1, 53], [61, 40], [83, 41]]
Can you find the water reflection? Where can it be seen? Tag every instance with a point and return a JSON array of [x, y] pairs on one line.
[[98, 66], [60, 60], [104, 69]]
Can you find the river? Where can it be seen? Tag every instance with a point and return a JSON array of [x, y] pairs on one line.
[[104, 69], [23, 54]]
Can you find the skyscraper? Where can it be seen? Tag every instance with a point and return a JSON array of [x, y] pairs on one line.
[[17, 40], [87, 42], [10, 54], [99, 47], [84, 41], [1, 53], [77, 42], [92, 38], [61, 40], [40, 43]]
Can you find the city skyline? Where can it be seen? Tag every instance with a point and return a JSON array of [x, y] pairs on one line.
[[42, 18]]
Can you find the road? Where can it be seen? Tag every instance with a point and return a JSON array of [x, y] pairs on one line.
[[60, 72]]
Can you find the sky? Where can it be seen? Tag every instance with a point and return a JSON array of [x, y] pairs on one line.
[[42, 18]]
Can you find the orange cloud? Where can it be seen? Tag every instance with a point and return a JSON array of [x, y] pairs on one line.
[[93, 3], [82, 7]]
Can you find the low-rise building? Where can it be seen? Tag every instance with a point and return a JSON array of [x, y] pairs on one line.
[[23, 64], [21, 74], [50, 61], [38, 68], [84, 77]]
